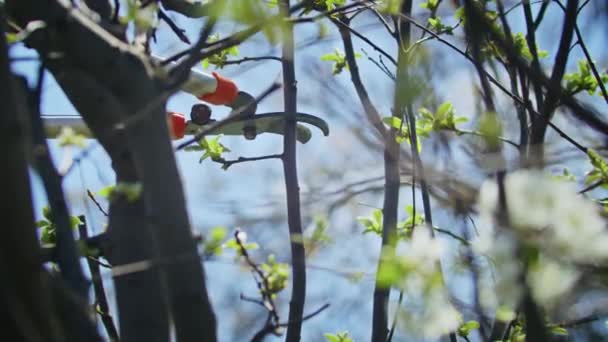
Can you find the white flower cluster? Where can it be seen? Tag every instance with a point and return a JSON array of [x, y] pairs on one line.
[[428, 312], [549, 216]]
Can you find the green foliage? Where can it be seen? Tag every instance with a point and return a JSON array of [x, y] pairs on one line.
[[323, 6], [12, 38], [219, 59], [276, 275], [493, 49], [443, 119], [403, 132], [583, 80], [48, 229], [319, 236], [338, 337], [212, 147], [465, 329], [557, 330], [87, 250], [392, 268], [437, 26], [505, 314], [327, 5], [251, 13], [214, 241], [339, 59], [431, 5], [144, 18], [68, 137], [490, 129], [600, 169], [517, 334], [390, 6], [372, 224], [490, 16], [405, 227], [234, 245], [130, 191], [566, 176], [521, 44], [323, 31]]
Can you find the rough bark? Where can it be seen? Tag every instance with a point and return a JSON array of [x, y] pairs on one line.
[[121, 78], [25, 301], [30, 308]]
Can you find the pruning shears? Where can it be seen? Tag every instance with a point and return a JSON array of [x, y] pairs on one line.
[[213, 89]]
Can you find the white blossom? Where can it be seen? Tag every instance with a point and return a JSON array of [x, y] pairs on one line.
[[545, 214], [550, 214], [549, 280], [429, 312]]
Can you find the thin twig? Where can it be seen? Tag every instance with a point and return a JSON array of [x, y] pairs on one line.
[[92, 197], [580, 321], [251, 59], [479, 134], [310, 315], [228, 163], [366, 40], [591, 187], [179, 32], [100, 294]]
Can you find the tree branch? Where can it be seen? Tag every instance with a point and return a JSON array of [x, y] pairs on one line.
[[191, 9], [292, 188], [179, 32], [67, 255], [100, 294]]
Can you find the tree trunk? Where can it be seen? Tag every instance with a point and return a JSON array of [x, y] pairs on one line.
[[121, 79]]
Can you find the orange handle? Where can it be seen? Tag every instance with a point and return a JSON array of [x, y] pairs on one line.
[[225, 92], [177, 125]]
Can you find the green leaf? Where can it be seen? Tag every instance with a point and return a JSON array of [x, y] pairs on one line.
[[390, 6], [212, 148], [68, 137], [490, 128], [339, 337], [504, 314], [557, 330], [600, 169], [372, 224], [431, 5], [339, 60], [276, 275], [48, 236], [331, 337], [46, 212], [444, 109], [465, 329], [213, 243], [12, 38], [42, 223], [131, 191], [393, 121], [75, 222]]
